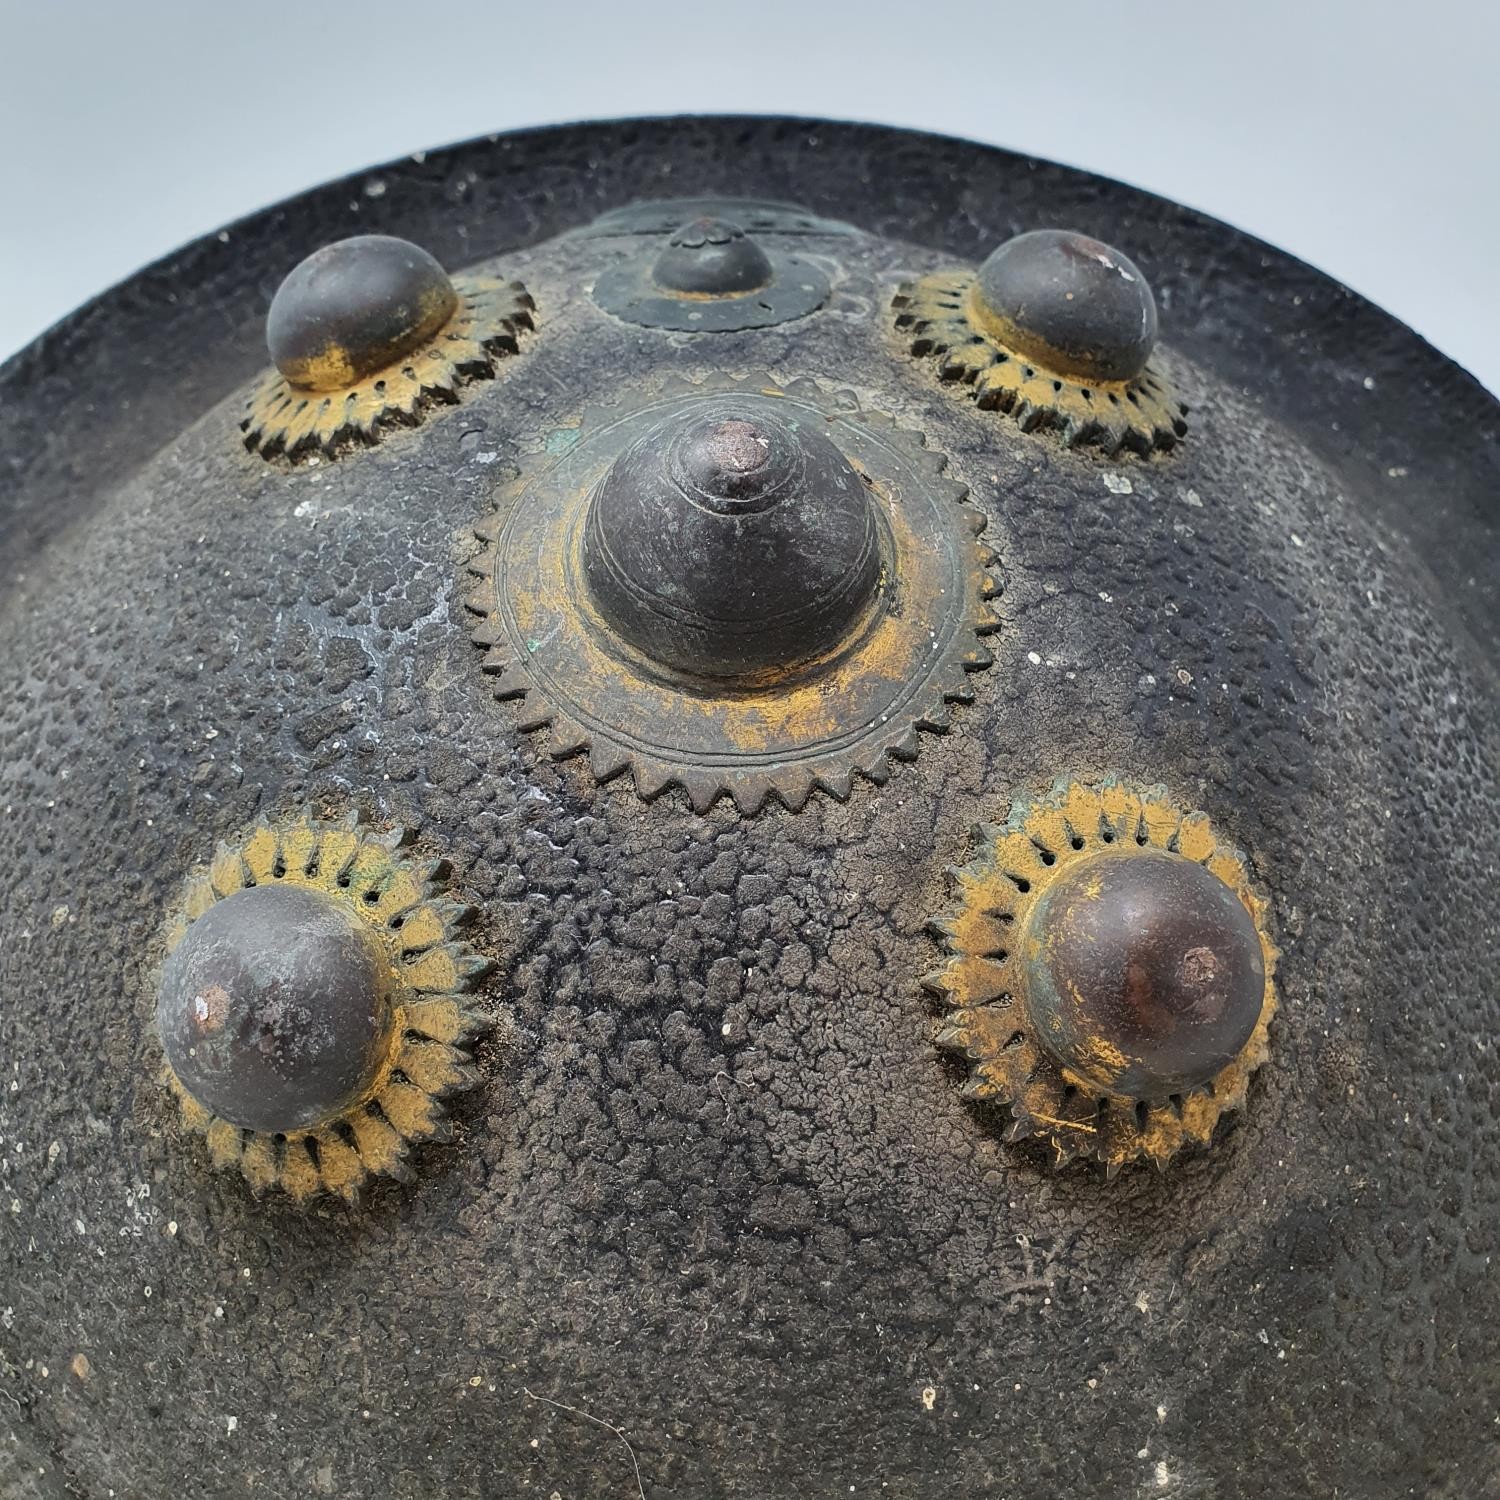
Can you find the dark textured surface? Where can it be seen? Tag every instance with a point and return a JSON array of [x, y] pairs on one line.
[[718, 1189]]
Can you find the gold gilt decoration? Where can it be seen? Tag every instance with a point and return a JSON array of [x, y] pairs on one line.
[[945, 322], [284, 420], [779, 736], [394, 898], [993, 948]]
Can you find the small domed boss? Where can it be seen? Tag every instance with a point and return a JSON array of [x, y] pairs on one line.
[[354, 307], [1055, 328], [1144, 975], [712, 258], [712, 277], [275, 1010], [1071, 303], [1110, 974], [369, 333], [311, 1009]]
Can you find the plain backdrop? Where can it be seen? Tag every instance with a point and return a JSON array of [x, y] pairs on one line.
[[1362, 135]]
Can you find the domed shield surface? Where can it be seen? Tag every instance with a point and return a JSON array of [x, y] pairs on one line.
[[1058, 1059]]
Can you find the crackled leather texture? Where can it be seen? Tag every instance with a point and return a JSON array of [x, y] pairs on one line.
[[717, 1189]]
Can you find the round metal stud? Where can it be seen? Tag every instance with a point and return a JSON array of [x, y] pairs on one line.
[[732, 541], [353, 307], [760, 216], [1070, 303], [273, 1011], [1058, 330], [1144, 973], [712, 277], [311, 1007], [1109, 974], [712, 258], [370, 333]]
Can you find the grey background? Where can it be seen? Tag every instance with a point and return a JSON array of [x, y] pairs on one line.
[[1363, 137]]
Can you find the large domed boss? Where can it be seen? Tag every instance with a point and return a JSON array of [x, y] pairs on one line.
[[1109, 978], [718, 590], [311, 1009], [734, 543], [369, 333], [1057, 329]]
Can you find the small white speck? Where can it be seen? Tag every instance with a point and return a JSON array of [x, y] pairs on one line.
[[1369, 382], [230, 1423], [1118, 484], [1193, 498], [929, 1397], [1107, 598], [1033, 658], [375, 188], [1296, 540], [486, 457]]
